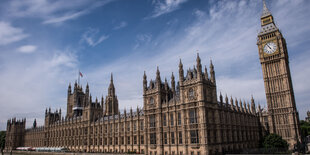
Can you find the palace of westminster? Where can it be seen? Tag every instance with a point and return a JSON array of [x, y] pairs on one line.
[[179, 118]]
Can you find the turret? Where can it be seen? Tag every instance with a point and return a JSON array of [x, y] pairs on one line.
[[75, 86], [144, 82], [221, 98], [241, 105], [181, 73], [244, 106], [87, 88], [212, 73], [111, 91], [236, 104], [102, 102], [253, 105], [226, 99], [69, 89], [199, 68], [166, 84], [158, 80], [172, 83], [206, 76], [34, 123], [232, 103]]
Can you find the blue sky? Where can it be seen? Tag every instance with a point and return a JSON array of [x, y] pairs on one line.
[[44, 43]]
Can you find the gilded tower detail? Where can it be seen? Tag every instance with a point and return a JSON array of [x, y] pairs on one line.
[[282, 113]]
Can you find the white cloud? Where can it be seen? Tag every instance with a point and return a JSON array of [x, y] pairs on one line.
[[64, 18], [27, 49], [142, 39], [91, 37], [165, 6], [30, 84], [52, 12], [10, 34], [227, 34], [121, 25]]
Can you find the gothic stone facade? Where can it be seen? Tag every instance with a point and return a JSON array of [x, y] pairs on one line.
[[179, 119], [282, 112], [183, 117]]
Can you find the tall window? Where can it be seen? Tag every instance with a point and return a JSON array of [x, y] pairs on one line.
[[165, 138], [135, 140], [152, 100], [141, 125], [164, 120], [128, 140], [152, 121], [194, 136], [180, 137], [192, 116], [122, 140], [171, 119], [128, 126], [153, 138], [172, 138], [179, 118], [142, 139], [116, 140], [134, 126]]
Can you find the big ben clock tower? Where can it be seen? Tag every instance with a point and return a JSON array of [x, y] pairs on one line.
[[282, 113]]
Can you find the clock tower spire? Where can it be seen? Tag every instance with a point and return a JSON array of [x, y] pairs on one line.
[[282, 113]]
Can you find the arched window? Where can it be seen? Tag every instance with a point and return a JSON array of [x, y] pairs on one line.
[[152, 100]]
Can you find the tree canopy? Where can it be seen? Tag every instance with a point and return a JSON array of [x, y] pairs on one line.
[[274, 141], [2, 139]]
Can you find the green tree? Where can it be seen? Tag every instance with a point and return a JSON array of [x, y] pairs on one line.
[[275, 141], [2, 140], [305, 128]]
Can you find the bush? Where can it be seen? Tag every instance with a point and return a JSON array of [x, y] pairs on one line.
[[274, 141], [2, 140]]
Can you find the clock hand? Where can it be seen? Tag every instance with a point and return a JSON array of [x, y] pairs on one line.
[[268, 46]]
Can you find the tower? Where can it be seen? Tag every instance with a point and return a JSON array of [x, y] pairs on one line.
[[282, 113], [111, 107]]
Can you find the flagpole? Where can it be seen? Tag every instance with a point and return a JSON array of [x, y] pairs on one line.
[[79, 78]]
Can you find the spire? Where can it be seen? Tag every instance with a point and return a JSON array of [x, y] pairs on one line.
[[252, 105], [232, 103], [69, 88], [166, 84], [226, 99], [75, 85], [199, 68], [87, 87], [102, 101], [144, 82], [111, 91], [158, 76], [34, 123], [212, 73], [111, 78], [181, 72], [221, 98], [172, 83], [266, 12], [206, 73]]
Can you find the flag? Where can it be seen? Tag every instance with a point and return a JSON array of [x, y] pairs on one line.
[[81, 74]]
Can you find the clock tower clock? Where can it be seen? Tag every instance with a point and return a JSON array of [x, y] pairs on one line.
[[282, 113]]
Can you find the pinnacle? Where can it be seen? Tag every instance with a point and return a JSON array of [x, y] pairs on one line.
[[266, 12]]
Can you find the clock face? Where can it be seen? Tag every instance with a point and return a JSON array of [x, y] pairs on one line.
[[270, 47]]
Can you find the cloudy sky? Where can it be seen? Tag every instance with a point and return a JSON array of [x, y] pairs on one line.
[[44, 43]]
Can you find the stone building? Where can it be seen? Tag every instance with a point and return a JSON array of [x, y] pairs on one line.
[[178, 118], [183, 117], [283, 116]]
